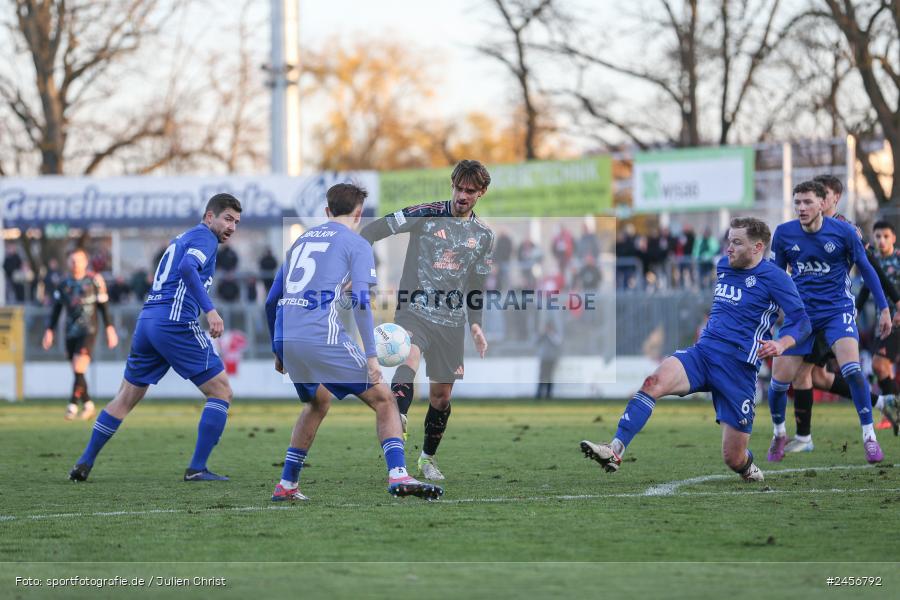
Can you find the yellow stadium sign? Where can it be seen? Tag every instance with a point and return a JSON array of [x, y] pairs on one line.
[[12, 343]]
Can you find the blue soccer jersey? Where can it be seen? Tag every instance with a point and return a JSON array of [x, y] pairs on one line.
[[745, 306], [724, 360], [167, 333], [317, 266], [820, 264], [169, 298]]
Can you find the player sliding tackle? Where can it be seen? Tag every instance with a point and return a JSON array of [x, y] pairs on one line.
[[820, 252], [310, 343], [726, 359]]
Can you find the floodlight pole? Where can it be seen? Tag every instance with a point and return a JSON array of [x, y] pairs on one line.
[[284, 71], [787, 185], [850, 150]]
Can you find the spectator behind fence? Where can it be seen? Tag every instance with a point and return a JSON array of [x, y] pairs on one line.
[[229, 290], [642, 253], [53, 276], [588, 246], [268, 264], [140, 284], [683, 250], [626, 252], [227, 259], [119, 291], [588, 276], [563, 248], [549, 345], [529, 256], [705, 250], [503, 250], [659, 246], [14, 270]]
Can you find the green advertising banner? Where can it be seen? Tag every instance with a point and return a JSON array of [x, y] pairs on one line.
[[556, 188], [693, 179]]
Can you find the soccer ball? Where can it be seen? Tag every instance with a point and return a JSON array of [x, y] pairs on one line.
[[392, 343]]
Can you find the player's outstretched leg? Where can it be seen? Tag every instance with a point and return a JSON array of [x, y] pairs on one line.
[[669, 378], [836, 384], [209, 430], [636, 415], [105, 427]]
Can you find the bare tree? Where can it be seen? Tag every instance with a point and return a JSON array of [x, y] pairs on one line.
[[87, 93], [73, 47], [871, 30], [81, 94], [518, 19], [700, 60]]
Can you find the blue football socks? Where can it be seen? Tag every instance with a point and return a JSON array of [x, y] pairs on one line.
[[209, 430], [104, 428], [859, 391], [636, 415], [778, 400], [394, 456], [293, 462]]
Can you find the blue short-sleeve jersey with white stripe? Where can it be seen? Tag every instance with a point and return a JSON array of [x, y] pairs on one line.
[[167, 334], [745, 306], [820, 263], [169, 298]]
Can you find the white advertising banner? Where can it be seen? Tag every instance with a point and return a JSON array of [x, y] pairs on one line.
[[693, 179], [142, 201]]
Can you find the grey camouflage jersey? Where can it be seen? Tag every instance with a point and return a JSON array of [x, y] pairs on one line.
[[446, 259]]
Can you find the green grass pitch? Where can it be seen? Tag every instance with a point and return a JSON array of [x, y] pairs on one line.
[[523, 511]]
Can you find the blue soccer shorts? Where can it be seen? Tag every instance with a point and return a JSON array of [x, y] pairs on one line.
[[731, 381], [834, 325], [158, 345], [340, 367]]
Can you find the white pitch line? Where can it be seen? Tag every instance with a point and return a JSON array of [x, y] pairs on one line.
[[668, 489], [8, 518]]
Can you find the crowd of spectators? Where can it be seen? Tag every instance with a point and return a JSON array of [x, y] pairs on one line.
[[659, 259], [26, 285]]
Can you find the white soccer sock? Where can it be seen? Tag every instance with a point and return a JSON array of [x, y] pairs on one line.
[[289, 485], [423, 455], [618, 447], [803, 438], [398, 473], [780, 431], [868, 432], [880, 404]]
